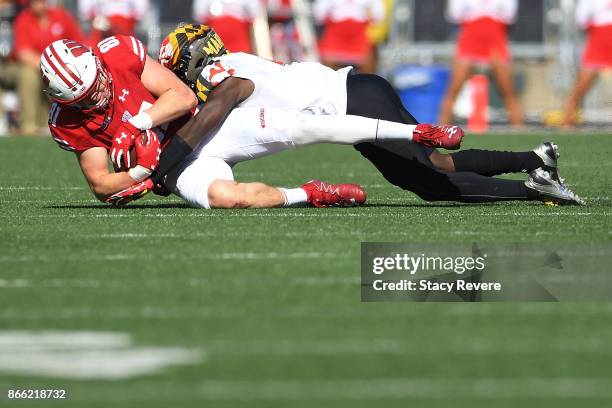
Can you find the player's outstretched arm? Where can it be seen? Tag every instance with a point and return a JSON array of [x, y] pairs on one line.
[[218, 106], [103, 183]]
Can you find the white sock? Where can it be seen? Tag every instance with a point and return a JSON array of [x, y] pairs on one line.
[[294, 196], [346, 129], [394, 131]]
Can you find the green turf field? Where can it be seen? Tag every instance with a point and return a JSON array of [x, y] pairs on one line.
[[268, 301]]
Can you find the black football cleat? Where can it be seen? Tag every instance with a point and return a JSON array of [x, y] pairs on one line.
[[550, 190], [549, 153]]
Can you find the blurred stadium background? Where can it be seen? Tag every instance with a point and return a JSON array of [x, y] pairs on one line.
[[415, 49]]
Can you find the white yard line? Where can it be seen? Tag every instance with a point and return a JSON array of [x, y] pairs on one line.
[[241, 256], [163, 281], [215, 234], [15, 283], [305, 347], [406, 388], [18, 340], [39, 188], [448, 311], [85, 355], [364, 346]]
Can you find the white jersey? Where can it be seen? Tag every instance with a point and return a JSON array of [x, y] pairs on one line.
[[594, 13], [245, 10], [463, 11], [127, 8], [303, 86], [341, 10]]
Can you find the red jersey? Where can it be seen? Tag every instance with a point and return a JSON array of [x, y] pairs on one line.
[[31, 36], [76, 131]]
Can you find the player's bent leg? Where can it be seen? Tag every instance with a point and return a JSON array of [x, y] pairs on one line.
[[442, 162], [433, 185], [192, 179], [230, 194], [351, 129], [422, 169], [493, 163], [373, 97]]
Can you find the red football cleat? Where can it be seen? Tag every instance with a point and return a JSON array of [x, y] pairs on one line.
[[322, 194], [444, 136]]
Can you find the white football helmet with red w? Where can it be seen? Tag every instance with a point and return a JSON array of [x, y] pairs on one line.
[[74, 76]]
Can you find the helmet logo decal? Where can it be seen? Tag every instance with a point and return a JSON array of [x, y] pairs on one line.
[[214, 45], [166, 52]]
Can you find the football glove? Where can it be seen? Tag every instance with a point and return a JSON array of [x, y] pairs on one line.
[[148, 151], [122, 143], [132, 193]]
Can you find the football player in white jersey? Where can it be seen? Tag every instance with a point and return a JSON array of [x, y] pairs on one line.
[[283, 106]]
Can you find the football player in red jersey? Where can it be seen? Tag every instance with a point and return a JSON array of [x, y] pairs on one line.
[[111, 99], [104, 99]]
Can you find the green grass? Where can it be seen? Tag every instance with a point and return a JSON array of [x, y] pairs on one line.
[[273, 296]]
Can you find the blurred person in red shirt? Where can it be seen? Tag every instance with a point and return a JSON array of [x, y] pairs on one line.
[[231, 19], [112, 17], [483, 40], [8, 68], [594, 16], [345, 39], [37, 26]]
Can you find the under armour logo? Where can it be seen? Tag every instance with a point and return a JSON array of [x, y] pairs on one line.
[[451, 131], [329, 188], [121, 138], [124, 94]]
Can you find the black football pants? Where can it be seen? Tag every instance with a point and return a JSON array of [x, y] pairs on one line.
[[407, 165]]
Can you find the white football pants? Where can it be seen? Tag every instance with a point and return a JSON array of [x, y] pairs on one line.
[[251, 133]]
